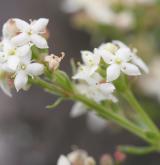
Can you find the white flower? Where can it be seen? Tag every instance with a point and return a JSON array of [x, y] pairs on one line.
[[31, 33], [101, 11], [63, 160], [120, 58], [91, 64], [10, 55], [150, 84], [94, 122], [22, 68], [94, 89], [135, 59]]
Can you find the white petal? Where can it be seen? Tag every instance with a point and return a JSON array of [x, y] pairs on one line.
[[96, 123], [35, 69], [94, 79], [124, 54], [13, 62], [3, 57], [130, 69], [63, 161], [119, 43], [112, 98], [20, 39], [22, 25], [5, 88], [9, 29], [39, 41], [140, 63], [20, 80], [24, 51], [108, 57], [40, 25], [85, 72], [77, 110], [70, 6], [89, 58], [113, 72], [107, 88]]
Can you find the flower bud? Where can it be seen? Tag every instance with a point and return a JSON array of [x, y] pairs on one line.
[[10, 29], [90, 161], [119, 156], [78, 157], [111, 47], [106, 160]]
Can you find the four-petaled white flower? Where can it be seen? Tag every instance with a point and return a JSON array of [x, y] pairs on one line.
[[89, 66], [95, 89], [119, 61], [24, 69], [135, 59], [31, 33], [11, 55]]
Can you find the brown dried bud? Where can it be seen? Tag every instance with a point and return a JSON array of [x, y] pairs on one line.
[[54, 61]]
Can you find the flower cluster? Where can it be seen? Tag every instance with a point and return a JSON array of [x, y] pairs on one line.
[[97, 74], [104, 65], [104, 15], [102, 11], [17, 63], [81, 157]]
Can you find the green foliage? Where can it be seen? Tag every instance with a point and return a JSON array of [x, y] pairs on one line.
[[56, 103]]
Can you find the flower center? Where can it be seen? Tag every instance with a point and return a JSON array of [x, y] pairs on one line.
[[118, 60], [30, 32], [12, 52], [23, 66]]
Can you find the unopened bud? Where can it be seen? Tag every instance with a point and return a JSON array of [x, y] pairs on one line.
[[111, 47], [106, 160], [90, 161], [10, 29], [119, 156]]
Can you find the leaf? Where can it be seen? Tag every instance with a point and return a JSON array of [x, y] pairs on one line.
[[137, 150], [152, 135], [62, 79], [73, 66], [36, 52], [55, 104]]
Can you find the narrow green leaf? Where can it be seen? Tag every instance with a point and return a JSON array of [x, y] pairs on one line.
[[55, 104], [137, 150], [73, 66]]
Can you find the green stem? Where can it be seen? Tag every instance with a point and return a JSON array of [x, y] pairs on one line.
[[144, 116], [120, 120], [138, 150], [101, 110], [46, 85]]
